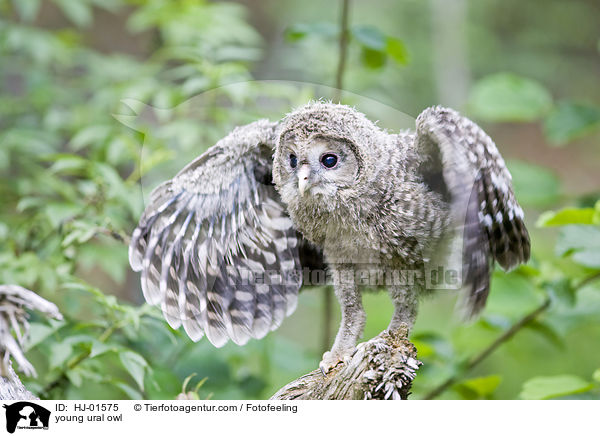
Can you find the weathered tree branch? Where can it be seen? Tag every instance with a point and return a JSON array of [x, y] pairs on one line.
[[382, 368], [11, 387], [14, 300]]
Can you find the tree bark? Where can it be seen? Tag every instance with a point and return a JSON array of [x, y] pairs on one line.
[[381, 369], [11, 387]]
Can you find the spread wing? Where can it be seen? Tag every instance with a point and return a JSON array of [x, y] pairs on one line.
[[216, 249], [463, 163]]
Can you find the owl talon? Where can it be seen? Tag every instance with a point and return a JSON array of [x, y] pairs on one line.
[[332, 358]]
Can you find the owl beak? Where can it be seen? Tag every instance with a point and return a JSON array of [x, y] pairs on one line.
[[303, 179]]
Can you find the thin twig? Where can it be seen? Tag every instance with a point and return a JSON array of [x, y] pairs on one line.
[[475, 360], [587, 281], [116, 235], [504, 337], [343, 50]]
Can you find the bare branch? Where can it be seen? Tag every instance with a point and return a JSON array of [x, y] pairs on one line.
[[508, 334], [343, 50]]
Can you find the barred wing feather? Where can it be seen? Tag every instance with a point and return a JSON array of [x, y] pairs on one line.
[[216, 249], [459, 153]]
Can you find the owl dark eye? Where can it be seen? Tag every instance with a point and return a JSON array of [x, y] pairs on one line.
[[293, 160], [329, 160]]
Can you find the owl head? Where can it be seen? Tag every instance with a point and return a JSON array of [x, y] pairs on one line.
[[322, 153]]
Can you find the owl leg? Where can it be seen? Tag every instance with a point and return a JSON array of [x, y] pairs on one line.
[[353, 320], [405, 306]]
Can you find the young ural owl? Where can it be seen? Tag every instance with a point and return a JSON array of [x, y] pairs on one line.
[[221, 246]]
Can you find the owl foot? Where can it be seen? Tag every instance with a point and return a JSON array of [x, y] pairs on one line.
[[334, 357]]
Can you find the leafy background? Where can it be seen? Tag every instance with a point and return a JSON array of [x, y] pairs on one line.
[[75, 146]]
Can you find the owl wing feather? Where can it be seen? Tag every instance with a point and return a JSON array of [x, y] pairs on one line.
[[475, 180], [216, 249]]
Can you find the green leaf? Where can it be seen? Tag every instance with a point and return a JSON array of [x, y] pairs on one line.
[[78, 11], [569, 121], [588, 257], [432, 343], [75, 377], [91, 135], [83, 340], [547, 331], [480, 387], [373, 58], [425, 350], [512, 295], [99, 348], [79, 231], [129, 391], [57, 213], [561, 291], [568, 216], [38, 332], [396, 49], [543, 388], [110, 256], [300, 31], [136, 365], [508, 97], [59, 353], [89, 374], [575, 237], [195, 85], [534, 185], [370, 37], [67, 163], [596, 375], [376, 47], [582, 243]]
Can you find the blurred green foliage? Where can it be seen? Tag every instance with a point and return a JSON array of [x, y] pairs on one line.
[[77, 140], [70, 187]]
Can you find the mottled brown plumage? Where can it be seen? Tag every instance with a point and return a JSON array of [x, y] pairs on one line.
[[221, 245]]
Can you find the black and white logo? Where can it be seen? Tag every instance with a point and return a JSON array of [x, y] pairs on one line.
[[26, 415]]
